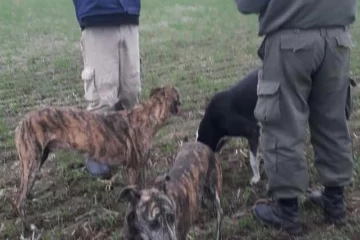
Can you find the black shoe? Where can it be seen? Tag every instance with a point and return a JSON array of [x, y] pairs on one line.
[[281, 214], [331, 200]]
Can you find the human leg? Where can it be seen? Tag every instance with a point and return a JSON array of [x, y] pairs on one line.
[[328, 125], [283, 90], [129, 67], [101, 78]]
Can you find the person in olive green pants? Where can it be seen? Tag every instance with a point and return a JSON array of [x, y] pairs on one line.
[[305, 78]]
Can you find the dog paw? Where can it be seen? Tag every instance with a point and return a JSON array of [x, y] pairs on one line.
[[254, 180], [108, 184]]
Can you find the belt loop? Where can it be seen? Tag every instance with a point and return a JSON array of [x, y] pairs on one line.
[[323, 32]]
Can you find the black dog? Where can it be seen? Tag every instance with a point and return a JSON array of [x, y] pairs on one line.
[[230, 113]]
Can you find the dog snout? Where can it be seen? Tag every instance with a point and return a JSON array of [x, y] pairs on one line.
[[163, 233], [169, 235]]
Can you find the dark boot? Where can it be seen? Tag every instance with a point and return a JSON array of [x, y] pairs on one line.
[[281, 214], [331, 200]]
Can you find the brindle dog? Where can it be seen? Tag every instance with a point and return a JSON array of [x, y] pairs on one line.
[[118, 138], [167, 210]]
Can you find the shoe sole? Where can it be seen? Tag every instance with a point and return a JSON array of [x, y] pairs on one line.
[[297, 231], [327, 218], [100, 176], [335, 222]]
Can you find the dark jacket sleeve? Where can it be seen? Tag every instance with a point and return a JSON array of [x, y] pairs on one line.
[[251, 6]]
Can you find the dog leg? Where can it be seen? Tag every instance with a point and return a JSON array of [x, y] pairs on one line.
[[132, 176], [212, 191], [142, 177], [203, 204], [220, 215], [255, 168], [142, 170], [109, 183], [254, 160]]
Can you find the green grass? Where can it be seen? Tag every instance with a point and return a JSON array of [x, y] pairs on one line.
[[201, 47]]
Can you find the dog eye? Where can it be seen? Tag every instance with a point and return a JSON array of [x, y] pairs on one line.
[[170, 218], [154, 224]]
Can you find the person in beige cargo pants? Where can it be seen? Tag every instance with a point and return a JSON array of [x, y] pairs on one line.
[[111, 72], [110, 50]]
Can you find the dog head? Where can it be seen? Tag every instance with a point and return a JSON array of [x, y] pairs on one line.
[[151, 214], [171, 95]]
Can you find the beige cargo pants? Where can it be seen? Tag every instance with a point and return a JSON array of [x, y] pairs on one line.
[[111, 71]]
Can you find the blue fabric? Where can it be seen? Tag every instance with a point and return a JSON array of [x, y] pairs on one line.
[[94, 8], [97, 169]]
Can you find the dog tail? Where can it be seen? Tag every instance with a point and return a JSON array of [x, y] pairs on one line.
[[28, 140], [19, 135], [31, 158]]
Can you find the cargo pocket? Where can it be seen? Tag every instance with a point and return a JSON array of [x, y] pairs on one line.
[[88, 76], [349, 98], [88, 73], [267, 109]]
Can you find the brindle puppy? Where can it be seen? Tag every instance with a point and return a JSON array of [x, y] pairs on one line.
[[121, 138], [168, 209]]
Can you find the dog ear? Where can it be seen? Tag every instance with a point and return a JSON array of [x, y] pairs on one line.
[[161, 180], [166, 179], [174, 108], [130, 194]]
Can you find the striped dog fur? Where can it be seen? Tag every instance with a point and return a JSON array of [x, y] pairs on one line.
[[167, 210], [117, 138]]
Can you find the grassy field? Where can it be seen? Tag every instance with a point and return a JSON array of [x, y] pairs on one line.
[[201, 47]]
